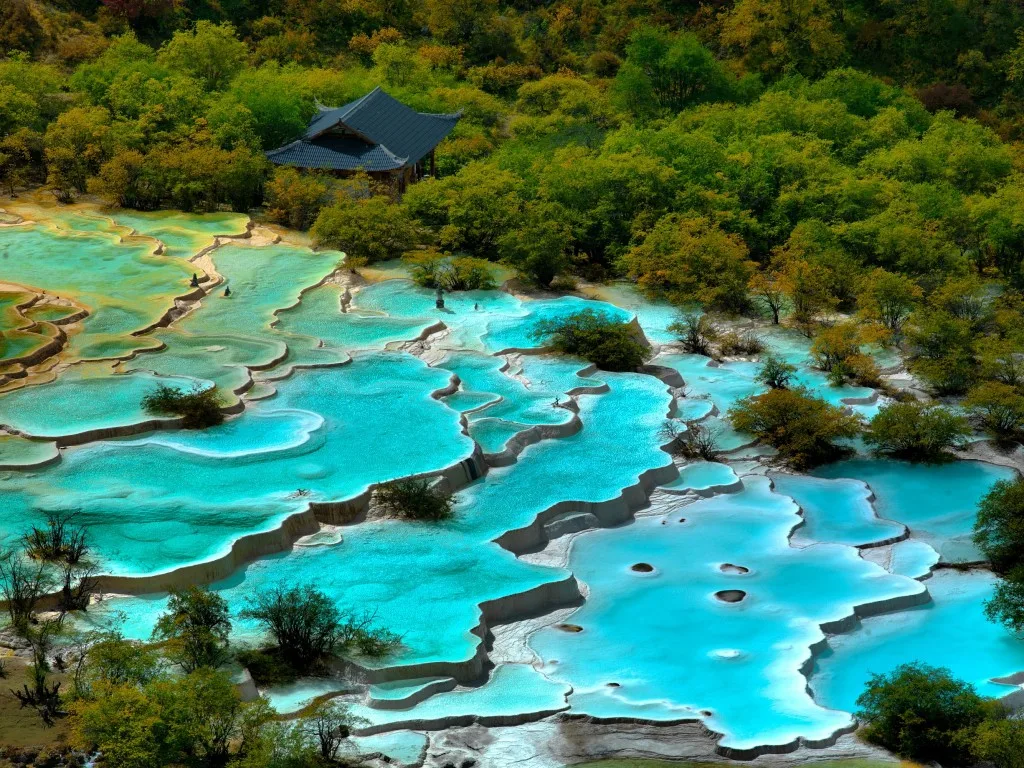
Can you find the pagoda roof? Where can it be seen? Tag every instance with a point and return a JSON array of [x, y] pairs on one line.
[[373, 133]]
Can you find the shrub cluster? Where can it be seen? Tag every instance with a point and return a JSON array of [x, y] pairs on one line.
[[923, 713], [415, 499], [199, 407], [610, 344]]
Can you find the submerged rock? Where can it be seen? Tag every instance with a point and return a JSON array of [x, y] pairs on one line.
[[731, 595]]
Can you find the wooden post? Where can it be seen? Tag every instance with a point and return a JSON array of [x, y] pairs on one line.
[[433, 165]]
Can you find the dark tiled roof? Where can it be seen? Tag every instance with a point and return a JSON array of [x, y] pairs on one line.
[[396, 135], [336, 153]]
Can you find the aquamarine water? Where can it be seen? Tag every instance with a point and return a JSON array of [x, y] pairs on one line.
[[513, 689], [634, 621], [124, 285], [405, 747], [131, 492], [936, 501], [702, 476], [729, 592], [90, 398], [950, 632], [836, 510]]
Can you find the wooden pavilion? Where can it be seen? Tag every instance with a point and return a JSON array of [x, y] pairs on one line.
[[377, 134]]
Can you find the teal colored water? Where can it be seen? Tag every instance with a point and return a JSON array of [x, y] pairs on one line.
[[131, 492], [836, 510], [263, 280], [402, 689], [370, 569], [513, 689], [226, 336], [633, 622], [936, 501], [502, 405], [257, 432], [291, 698], [329, 411], [553, 374], [220, 359], [654, 316], [492, 435], [511, 333], [48, 313], [702, 475], [125, 287], [20, 452], [456, 564], [464, 402], [617, 444], [183, 234], [11, 314], [490, 321], [406, 747], [90, 398], [950, 632], [319, 315], [912, 558], [17, 345]]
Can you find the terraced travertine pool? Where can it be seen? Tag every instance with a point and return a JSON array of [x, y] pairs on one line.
[[616, 584]]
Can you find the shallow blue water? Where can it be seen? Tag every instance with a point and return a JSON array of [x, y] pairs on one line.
[[339, 413], [633, 622], [950, 632], [936, 501], [131, 493]]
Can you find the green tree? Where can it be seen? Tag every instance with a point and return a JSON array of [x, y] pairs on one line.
[[610, 344], [695, 332], [295, 199], [538, 250], [77, 144], [21, 159], [125, 725], [922, 713], [607, 196], [775, 372], [804, 429], [888, 299], [472, 210], [328, 726], [914, 430], [367, 230], [415, 499], [17, 109], [198, 407], [998, 409], [114, 661], [210, 53], [305, 624], [999, 526], [195, 628], [768, 291], [689, 258], [197, 719], [1001, 742], [943, 352], [1006, 606], [279, 106], [665, 72], [807, 288], [785, 37]]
